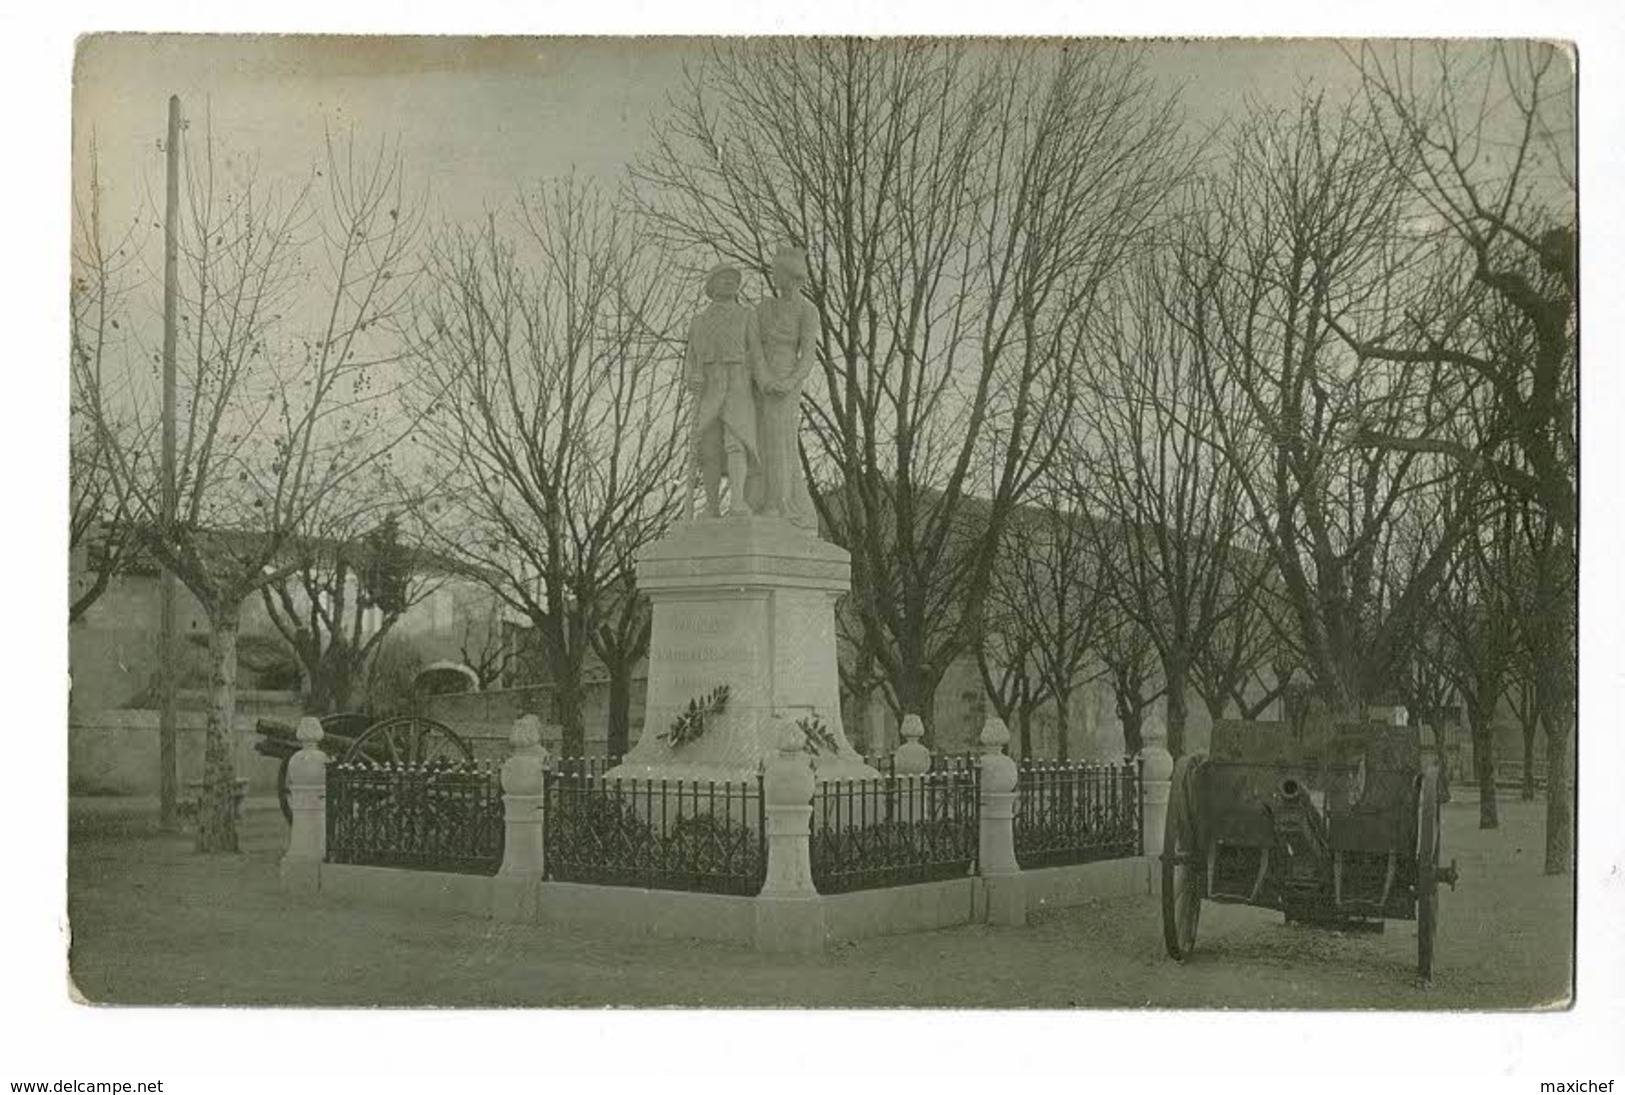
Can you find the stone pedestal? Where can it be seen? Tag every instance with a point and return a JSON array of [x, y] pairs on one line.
[[747, 602]]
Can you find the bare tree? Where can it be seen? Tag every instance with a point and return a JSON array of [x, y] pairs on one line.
[[548, 369], [1046, 603], [1300, 231], [1485, 135], [960, 206], [1174, 502], [488, 645], [1248, 661], [100, 517], [341, 603], [1481, 641], [279, 423], [1521, 698], [621, 641], [1130, 659], [1005, 660]]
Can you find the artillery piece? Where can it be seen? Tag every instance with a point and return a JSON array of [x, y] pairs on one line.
[[1341, 832], [354, 738]]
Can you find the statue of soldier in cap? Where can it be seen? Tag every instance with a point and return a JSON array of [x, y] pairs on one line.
[[720, 371], [782, 340]]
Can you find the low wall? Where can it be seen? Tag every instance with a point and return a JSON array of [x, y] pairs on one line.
[[676, 914], [895, 910], [666, 914], [115, 752], [1060, 887]]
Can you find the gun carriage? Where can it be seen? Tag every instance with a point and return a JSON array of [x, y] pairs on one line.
[[353, 738], [1340, 832]]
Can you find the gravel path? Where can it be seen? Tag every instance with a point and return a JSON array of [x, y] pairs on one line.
[[155, 923]]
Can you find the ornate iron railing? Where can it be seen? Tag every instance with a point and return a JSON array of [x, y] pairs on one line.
[[894, 831], [585, 766], [435, 816], [1070, 813], [658, 834]]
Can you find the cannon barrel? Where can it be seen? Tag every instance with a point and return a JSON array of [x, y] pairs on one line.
[[1294, 792], [1296, 816]]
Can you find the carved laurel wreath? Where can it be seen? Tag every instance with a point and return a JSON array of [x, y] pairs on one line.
[[819, 737], [690, 725]]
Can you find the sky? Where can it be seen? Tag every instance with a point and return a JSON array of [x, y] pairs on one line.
[[476, 117]]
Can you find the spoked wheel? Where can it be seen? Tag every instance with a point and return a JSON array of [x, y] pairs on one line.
[[1184, 878], [409, 740], [284, 796], [1427, 872]]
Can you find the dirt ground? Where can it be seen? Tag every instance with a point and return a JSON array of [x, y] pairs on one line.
[[154, 923]]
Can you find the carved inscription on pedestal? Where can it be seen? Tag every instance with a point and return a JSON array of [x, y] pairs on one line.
[[702, 647]]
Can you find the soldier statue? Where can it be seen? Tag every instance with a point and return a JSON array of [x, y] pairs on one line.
[[720, 370]]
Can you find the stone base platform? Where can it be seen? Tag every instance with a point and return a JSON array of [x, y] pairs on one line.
[[755, 922]]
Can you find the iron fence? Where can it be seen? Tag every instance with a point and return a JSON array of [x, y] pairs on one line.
[[894, 830], [704, 836], [594, 767], [435, 816], [1069, 813]]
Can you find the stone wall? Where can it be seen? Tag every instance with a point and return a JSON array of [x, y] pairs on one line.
[[115, 752], [486, 718]]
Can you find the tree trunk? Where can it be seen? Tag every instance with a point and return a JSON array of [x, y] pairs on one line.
[[1176, 670], [1063, 723], [620, 710], [343, 688], [1555, 700], [1133, 719], [1484, 767], [1559, 816], [567, 710], [217, 806], [1024, 733], [1527, 791]]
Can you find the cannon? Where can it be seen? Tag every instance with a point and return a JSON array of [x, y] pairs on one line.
[[352, 738], [1340, 831]]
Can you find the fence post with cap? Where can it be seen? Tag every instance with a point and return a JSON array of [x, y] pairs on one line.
[[524, 804], [301, 866], [789, 912], [1156, 776], [996, 848]]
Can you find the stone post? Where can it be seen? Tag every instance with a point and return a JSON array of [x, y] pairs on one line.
[[514, 892], [996, 855], [1156, 772], [912, 758], [789, 912], [301, 865]]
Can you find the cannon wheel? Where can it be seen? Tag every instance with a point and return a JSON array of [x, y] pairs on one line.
[[283, 795], [1183, 859], [407, 739], [1427, 872]]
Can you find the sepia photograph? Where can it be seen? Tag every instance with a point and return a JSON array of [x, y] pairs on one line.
[[760, 522]]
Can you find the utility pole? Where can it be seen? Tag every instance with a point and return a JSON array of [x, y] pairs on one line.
[[167, 713]]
